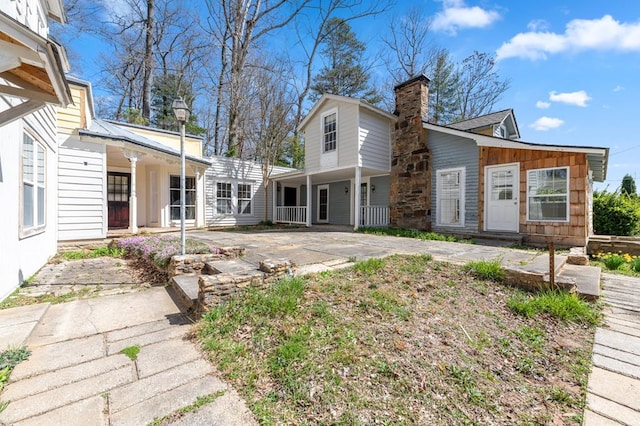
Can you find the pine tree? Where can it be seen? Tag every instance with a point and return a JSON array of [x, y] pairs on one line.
[[344, 73], [442, 89], [628, 186]]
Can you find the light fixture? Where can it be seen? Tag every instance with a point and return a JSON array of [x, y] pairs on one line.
[[373, 188], [346, 189], [181, 111]]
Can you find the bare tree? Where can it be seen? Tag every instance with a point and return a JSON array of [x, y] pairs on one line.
[[480, 86], [147, 61]]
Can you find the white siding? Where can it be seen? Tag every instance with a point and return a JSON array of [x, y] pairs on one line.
[[81, 190], [29, 13], [347, 138], [234, 171], [375, 141]]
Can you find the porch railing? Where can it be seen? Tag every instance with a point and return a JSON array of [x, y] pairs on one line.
[[296, 214], [374, 216]]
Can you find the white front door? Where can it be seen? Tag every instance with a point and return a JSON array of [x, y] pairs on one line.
[[502, 190], [323, 203]]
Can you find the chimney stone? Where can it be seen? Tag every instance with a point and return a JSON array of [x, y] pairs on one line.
[[410, 195]]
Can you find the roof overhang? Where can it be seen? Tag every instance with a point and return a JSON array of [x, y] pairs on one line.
[[91, 135], [596, 156], [33, 69]]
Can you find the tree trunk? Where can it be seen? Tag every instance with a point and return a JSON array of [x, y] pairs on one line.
[[148, 62]]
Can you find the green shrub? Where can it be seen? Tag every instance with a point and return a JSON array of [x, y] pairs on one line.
[[635, 265], [615, 214], [613, 261]]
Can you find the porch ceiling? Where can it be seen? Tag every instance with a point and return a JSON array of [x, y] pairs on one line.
[[328, 176], [116, 156]]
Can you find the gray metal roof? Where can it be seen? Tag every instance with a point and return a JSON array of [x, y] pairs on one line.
[[110, 130], [482, 121]]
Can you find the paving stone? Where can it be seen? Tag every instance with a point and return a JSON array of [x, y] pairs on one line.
[[227, 410], [63, 376], [615, 339], [140, 330], [59, 355], [625, 327], [88, 412], [174, 332], [592, 419], [16, 324], [617, 353], [152, 386], [611, 410], [612, 364], [162, 356], [47, 401], [615, 387], [165, 403]]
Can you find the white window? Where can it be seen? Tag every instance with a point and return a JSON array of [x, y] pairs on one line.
[[223, 198], [33, 186], [548, 194], [244, 198], [329, 132], [450, 197], [500, 130], [190, 197]]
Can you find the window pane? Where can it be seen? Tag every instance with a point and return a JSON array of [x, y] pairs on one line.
[[27, 159], [190, 182], [40, 206], [545, 182], [190, 213], [174, 182], [175, 213], [548, 208], [27, 218], [449, 198], [547, 194], [330, 132], [40, 165], [190, 198]]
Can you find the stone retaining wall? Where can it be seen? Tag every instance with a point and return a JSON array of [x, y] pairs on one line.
[[214, 289], [195, 263], [605, 244]]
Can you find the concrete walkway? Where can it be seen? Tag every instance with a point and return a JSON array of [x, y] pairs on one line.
[[613, 395], [76, 374]]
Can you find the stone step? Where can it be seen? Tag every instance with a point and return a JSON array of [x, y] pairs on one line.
[[540, 265], [587, 279], [186, 287], [228, 266]]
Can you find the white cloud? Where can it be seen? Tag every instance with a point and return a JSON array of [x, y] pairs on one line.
[[538, 25], [618, 88], [579, 98], [546, 123], [580, 34], [456, 15], [542, 105]]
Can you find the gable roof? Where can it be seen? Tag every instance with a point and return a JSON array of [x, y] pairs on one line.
[[505, 117], [104, 129], [596, 156], [346, 99]]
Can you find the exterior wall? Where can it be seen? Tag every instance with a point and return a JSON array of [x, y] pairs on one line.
[[339, 202], [29, 13], [379, 197], [572, 233], [410, 193], [75, 115], [82, 210], [192, 146], [235, 171], [346, 154], [450, 152], [22, 256], [375, 141]]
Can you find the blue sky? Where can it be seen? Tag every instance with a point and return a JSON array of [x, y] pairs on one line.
[[573, 65]]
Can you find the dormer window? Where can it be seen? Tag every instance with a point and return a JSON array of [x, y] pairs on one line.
[[500, 131], [329, 132]]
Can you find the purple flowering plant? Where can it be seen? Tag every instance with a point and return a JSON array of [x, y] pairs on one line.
[[160, 249]]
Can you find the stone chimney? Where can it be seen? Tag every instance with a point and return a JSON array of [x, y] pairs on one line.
[[410, 196]]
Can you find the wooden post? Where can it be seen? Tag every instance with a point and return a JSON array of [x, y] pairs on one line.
[[552, 265]]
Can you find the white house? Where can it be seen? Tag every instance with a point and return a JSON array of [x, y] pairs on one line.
[[347, 165], [32, 68]]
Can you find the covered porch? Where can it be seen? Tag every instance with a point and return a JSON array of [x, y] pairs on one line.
[[355, 196]]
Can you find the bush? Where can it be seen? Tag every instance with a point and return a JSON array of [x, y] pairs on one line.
[[615, 214], [490, 270]]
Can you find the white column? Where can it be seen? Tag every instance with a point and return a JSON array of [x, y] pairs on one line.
[[133, 198], [309, 198], [356, 194], [274, 201]]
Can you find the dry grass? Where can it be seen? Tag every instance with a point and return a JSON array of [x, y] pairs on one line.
[[405, 340]]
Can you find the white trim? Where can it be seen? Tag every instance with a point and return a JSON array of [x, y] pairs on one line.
[[234, 197], [35, 228], [461, 195], [321, 187], [567, 195], [485, 208]]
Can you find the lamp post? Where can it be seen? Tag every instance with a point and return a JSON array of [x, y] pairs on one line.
[[181, 111]]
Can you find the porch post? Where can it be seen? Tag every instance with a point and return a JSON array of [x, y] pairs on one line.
[[133, 198], [274, 201], [309, 198], [199, 199], [356, 216]]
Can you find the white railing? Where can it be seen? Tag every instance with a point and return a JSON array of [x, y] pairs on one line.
[[297, 214], [374, 216]]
